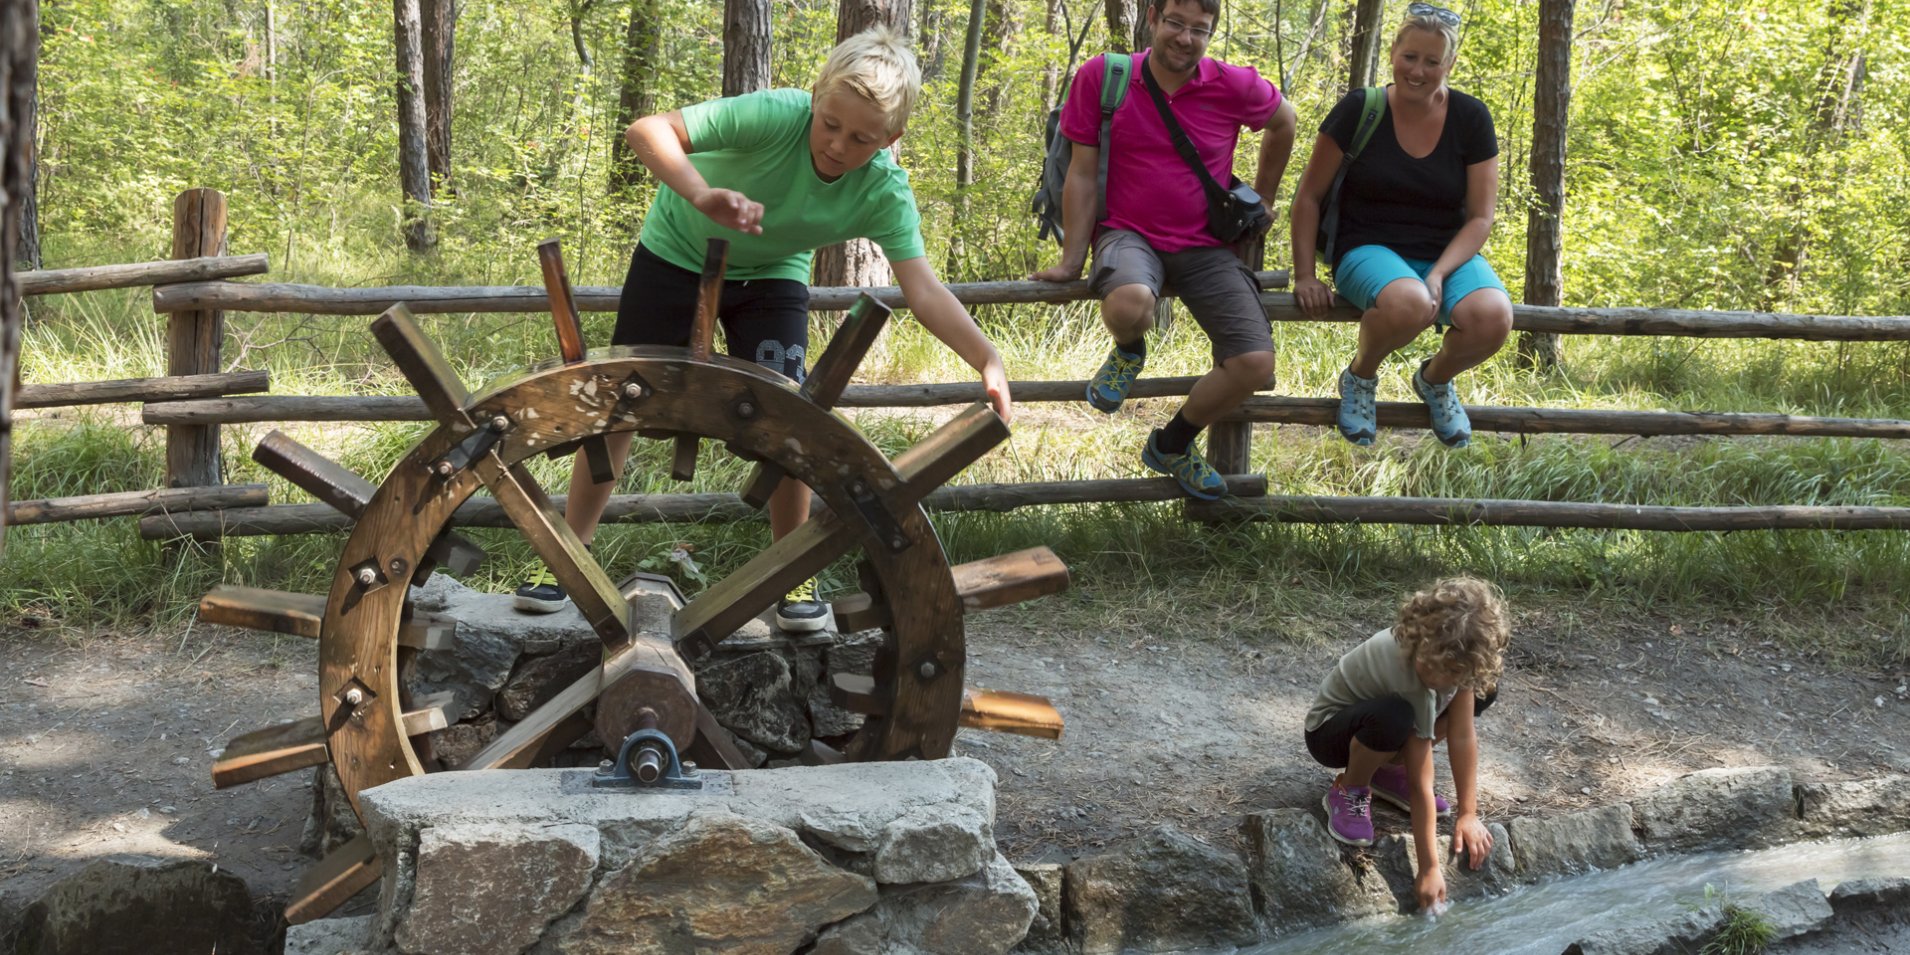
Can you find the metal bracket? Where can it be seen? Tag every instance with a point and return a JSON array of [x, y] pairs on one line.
[[474, 445], [876, 518], [647, 760]]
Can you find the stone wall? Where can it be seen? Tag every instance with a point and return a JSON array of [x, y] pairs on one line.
[[856, 859]]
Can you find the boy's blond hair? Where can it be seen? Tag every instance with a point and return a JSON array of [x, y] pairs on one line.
[[1458, 626], [878, 66]]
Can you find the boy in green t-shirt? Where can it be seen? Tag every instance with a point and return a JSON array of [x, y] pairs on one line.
[[779, 173]]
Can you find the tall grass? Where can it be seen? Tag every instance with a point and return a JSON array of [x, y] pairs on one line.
[[1263, 581]]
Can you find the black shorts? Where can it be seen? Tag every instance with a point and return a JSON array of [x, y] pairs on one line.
[[1382, 725], [764, 320]]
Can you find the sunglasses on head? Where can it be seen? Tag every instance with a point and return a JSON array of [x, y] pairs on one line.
[[1443, 15]]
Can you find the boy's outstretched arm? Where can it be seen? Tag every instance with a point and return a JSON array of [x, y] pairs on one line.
[[662, 144], [1276, 147], [1469, 835], [943, 315]]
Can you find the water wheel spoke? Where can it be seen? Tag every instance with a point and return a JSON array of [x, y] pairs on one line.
[[343, 873], [998, 711], [826, 381], [709, 295], [525, 503], [563, 306], [301, 615], [713, 746], [348, 493], [543, 721], [286, 747], [422, 364], [1010, 578]]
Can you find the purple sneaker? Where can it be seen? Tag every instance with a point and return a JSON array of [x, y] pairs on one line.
[[1349, 814], [1389, 783]]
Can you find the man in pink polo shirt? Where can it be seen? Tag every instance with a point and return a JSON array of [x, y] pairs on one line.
[[1155, 229]]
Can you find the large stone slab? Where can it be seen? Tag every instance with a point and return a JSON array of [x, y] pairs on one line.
[[1574, 843], [984, 914], [1162, 892], [1398, 863], [1867, 807], [464, 872], [723, 883], [1743, 808], [340, 936], [1298, 878], [120, 905], [1676, 934], [1794, 910], [1046, 932]]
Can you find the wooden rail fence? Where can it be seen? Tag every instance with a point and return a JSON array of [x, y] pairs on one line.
[[196, 398]]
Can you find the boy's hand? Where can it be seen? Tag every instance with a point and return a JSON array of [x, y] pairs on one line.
[[1061, 272], [731, 210], [1471, 836], [995, 382]]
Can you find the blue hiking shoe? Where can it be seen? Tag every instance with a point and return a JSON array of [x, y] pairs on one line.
[[1196, 476], [1109, 387], [1358, 419], [1449, 422]]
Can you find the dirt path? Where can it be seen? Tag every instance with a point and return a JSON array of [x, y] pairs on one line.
[[106, 740]]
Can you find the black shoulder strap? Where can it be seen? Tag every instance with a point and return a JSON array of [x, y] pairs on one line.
[[1181, 143]]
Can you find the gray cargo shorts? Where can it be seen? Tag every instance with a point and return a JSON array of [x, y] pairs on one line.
[[1219, 290]]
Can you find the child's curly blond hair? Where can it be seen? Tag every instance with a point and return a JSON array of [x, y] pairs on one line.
[[1459, 627]]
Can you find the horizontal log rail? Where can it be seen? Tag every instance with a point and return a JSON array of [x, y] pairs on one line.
[[173, 500], [437, 299], [96, 277], [712, 508], [1688, 323], [177, 388], [1515, 420], [1455, 512]]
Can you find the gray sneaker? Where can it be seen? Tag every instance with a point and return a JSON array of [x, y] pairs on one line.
[[1359, 417], [1449, 421]]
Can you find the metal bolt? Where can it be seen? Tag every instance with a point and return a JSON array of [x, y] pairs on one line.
[[603, 765], [858, 487], [499, 423], [898, 542], [745, 409], [354, 696], [928, 669], [633, 391], [367, 576], [443, 469], [398, 566]]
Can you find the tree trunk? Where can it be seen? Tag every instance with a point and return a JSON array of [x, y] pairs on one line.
[[635, 97], [1836, 112], [1124, 25], [1367, 34], [1001, 26], [745, 46], [440, 21], [928, 37], [413, 168], [965, 122], [859, 262], [1051, 77], [19, 50], [27, 254], [1552, 101]]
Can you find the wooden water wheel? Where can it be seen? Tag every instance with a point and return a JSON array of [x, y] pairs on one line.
[[368, 727]]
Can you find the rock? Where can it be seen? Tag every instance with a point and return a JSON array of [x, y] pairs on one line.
[[1046, 932], [491, 635], [1861, 895], [455, 745], [1673, 935], [122, 904], [343, 936], [332, 823], [722, 883], [1398, 864], [1793, 910], [462, 873], [984, 914], [1298, 878], [1868, 807], [754, 697], [853, 653], [1748, 808], [932, 823], [538, 679], [1162, 892], [1599, 838]]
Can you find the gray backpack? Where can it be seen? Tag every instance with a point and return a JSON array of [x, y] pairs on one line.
[[1119, 67]]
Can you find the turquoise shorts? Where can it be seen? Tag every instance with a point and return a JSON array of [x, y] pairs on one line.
[[1367, 269]]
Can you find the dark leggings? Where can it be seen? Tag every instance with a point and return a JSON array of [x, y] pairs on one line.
[[1382, 725], [765, 321]]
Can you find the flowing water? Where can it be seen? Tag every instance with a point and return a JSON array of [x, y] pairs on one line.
[[1543, 919]]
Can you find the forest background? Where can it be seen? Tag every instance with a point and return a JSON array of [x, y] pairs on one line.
[[1721, 156]]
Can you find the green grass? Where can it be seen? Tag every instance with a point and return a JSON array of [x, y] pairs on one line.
[[1266, 578]]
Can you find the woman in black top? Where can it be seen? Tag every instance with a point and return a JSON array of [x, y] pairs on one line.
[[1415, 208]]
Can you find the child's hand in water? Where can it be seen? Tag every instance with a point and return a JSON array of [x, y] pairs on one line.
[[1430, 888], [1471, 837]]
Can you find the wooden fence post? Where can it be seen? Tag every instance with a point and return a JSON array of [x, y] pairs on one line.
[[194, 338], [1230, 446]]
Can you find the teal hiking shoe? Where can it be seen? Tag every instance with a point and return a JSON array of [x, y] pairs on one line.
[[1109, 387], [1196, 476], [1359, 418], [1449, 421]]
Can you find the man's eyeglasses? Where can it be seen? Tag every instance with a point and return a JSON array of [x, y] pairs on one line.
[[1174, 25], [1443, 15]]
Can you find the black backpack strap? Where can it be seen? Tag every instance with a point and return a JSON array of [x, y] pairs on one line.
[[1215, 191]]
